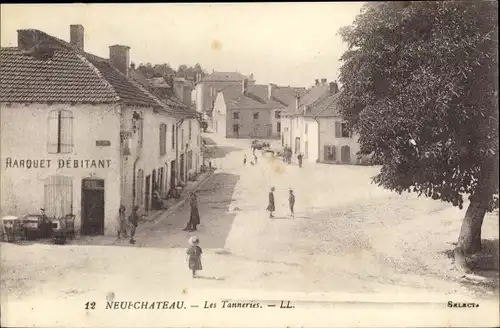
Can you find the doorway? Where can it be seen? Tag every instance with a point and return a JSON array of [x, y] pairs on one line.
[[147, 193], [181, 168], [92, 207], [154, 180], [172, 174], [345, 154]]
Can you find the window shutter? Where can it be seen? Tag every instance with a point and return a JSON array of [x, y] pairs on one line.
[[326, 153], [58, 196], [338, 130], [53, 132], [66, 132], [334, 153]]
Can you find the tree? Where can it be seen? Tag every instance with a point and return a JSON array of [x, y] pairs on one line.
[[420, 88]]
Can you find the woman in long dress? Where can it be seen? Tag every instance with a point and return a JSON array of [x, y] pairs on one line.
[[194, 218]]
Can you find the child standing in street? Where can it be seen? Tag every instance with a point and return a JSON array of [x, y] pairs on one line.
[[194, 255]]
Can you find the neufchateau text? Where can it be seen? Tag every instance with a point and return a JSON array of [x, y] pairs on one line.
[[178, 305]]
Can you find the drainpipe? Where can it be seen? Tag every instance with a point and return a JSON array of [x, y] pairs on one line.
[[319, 143]]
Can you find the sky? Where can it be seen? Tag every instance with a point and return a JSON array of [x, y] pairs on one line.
[[283, 43]]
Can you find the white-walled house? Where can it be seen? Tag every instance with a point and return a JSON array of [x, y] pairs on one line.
[[79, 136], [315, 128], [251, 111]]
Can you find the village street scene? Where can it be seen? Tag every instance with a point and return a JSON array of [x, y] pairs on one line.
[[366, 179]]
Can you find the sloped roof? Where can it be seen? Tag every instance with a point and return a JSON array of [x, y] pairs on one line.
[[225, 76], [158, 82], [309, 99], [84, 77], [170, 103], [327, 107], [66, 77], [257, 97]]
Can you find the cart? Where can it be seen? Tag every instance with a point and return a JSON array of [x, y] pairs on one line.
[[12, 228], [63, 228]]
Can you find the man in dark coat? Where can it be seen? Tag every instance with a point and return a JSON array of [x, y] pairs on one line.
[[134, 220], [271, 207], [194, 218], [291, 202], [299, 157]]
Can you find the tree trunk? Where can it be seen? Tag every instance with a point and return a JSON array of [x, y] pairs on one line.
[[469, 240]]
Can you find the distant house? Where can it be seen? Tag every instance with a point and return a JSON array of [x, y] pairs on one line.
[[79, 135], [183, 88], [314, 127], [207, 88], [251, 111]]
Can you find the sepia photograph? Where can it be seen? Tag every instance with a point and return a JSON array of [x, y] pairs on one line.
[[301, 164]]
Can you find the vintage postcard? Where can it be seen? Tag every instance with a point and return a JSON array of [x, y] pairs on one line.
[[329, 164]]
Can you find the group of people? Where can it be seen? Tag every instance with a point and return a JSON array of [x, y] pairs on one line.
[[287, 156], [124, 225], [291, 202], [252, 162]]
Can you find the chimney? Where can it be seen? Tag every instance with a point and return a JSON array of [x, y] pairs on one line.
[[244, 86], [119, 58], [323, 81], [316, 82], [334, 88], [297, 100], [270, 91], [77, 36], [27, 39]]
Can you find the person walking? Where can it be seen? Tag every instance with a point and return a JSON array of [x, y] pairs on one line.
[[194, 217], [270, 206], [300, 157], [245, 159], [134, 221], [193, 257], [255, 158], [122, 222], [291, 202]]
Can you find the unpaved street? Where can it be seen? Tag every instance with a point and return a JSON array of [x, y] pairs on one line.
[[348, 236]]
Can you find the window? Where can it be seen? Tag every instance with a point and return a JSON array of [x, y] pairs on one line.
[[277, 114], [140, 131], [60, 132], [306, 150], [346, 133], [182, 139], [173, 136], [213, 104], [212, 93], [255, 116], [342, 130], [330, 155], [305, 128], [163, 139], [190, 129], [236, 115], [297, 145], [58, 196], [278, 127]]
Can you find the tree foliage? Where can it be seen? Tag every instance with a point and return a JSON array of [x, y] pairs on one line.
[[419, 85], [165, 70]]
